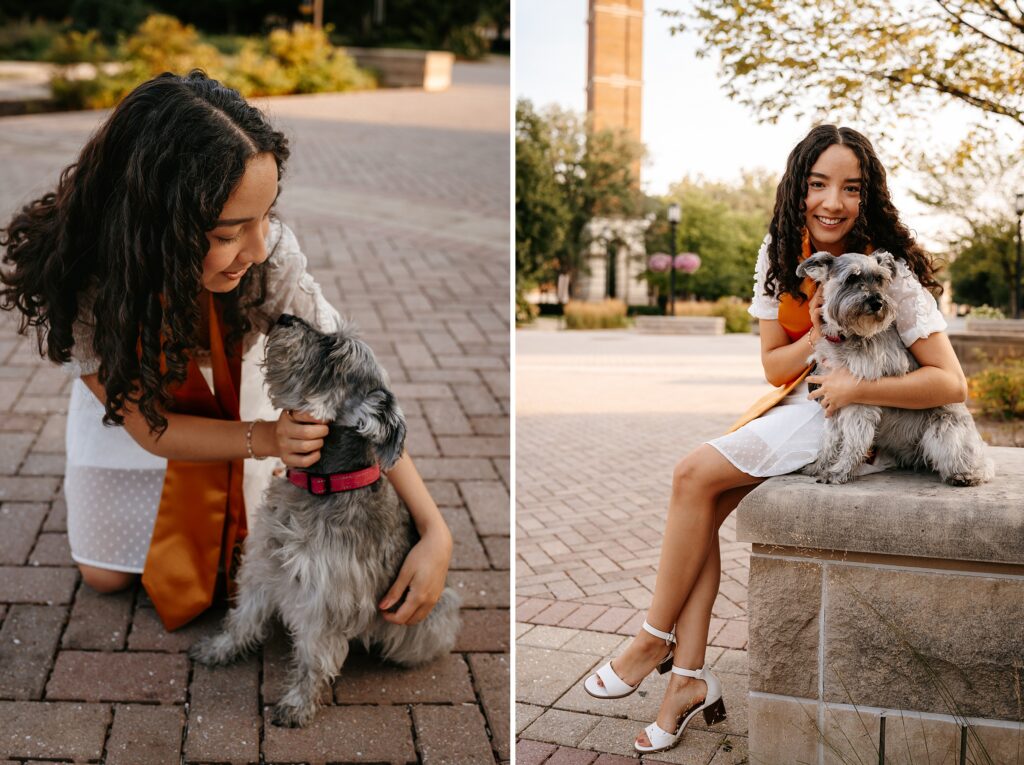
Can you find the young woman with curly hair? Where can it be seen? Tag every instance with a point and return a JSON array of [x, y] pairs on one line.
[[154, 266], [833, 197]]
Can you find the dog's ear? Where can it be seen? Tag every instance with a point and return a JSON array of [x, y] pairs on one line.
[[886, 260], [816, 266], [379, 419]]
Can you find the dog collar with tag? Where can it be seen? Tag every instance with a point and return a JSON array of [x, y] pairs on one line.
[[321, 483]]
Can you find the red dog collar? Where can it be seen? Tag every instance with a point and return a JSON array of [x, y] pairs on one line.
[[320, 484], [835, 338]]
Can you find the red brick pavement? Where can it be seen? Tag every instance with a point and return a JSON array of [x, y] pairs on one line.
[[92, 678], [594, 466]]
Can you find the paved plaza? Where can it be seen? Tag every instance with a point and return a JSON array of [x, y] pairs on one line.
[[602, 417], [400, 200]]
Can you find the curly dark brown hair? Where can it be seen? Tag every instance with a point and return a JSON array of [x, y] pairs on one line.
[[128, 224], [878, 222]]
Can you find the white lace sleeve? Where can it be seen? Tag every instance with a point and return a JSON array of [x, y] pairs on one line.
[[917, 313], [84, 360], [290, 287], [763, 306]]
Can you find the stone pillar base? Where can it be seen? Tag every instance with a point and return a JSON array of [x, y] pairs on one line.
[[892, 595]]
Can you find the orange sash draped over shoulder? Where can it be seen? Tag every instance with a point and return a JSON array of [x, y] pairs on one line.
[[795, 319], [201, 517]]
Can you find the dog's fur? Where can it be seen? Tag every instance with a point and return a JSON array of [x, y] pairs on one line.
[[323, 563], [857, 305]]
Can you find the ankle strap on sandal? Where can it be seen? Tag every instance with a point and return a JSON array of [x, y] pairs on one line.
[[668, 637], [697, 673]]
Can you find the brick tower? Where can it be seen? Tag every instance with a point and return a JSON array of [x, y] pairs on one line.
[[615, 65], [614, 89]]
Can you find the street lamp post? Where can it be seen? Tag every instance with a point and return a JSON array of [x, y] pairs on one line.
[[1019, 208], [674, 215]]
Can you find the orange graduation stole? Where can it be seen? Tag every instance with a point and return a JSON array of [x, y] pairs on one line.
[[795, 319], [201, 517]]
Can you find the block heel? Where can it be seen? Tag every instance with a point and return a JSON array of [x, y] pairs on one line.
[[666, 665], [712, 706], [714, 713]]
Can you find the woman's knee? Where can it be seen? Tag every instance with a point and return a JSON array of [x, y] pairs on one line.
[[104, 580], [705, 471]]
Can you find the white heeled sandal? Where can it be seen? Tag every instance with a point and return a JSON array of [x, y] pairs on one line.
[[712, 706], [614, 686]]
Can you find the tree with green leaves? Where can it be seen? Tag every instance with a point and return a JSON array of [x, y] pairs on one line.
[[542, 216], [724, 223], [889, 58], [982, 271], [571, 174]]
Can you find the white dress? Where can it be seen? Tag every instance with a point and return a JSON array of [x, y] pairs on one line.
[[113, 485], [788, 436]]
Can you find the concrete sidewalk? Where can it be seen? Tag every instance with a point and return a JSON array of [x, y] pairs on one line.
[[400, 200], [602, 418]]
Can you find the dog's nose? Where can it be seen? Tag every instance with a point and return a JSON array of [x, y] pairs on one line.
[[875, 303], [286, 320]]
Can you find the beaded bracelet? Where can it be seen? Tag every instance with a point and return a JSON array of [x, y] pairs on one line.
[[248, 441]]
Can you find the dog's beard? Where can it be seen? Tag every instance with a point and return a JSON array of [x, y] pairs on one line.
[[853, 320]]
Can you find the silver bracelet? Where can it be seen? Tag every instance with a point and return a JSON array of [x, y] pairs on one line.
[[248, 441]]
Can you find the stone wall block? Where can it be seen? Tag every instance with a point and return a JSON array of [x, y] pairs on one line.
[[853, 736], [785, 601], [782, 731], [925, 641]]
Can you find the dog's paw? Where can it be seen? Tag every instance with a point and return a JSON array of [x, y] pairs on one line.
[[965, 479], [290, 716], [817, 469], [835, 478], [214, 650]]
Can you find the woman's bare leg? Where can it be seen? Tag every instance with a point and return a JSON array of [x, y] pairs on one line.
[[693, 623], [105, 580], [697, 482]]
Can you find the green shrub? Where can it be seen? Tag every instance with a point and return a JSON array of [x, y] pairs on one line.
[[314, 65], [253, 73], [644, 310], [608, 314], [163, 44], [467, 43], [74, 47], [999, 391], [987, 312], [231, 45], [735, 313], [299, 60], [526, 311], [732, 309], [28, 40]]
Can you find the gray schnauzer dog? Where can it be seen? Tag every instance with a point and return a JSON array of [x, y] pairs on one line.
[[323, 562], [859, 333]]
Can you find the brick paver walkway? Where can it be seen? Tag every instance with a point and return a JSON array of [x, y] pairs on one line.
[[601, 419], [400, 200]]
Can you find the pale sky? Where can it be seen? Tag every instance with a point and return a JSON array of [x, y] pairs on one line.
[[689, 126]]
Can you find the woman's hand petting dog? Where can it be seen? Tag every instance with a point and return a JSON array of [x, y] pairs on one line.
[[814, 334], [423, 574], [838, 389], [298, 438]]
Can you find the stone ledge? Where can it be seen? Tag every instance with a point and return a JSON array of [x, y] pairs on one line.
[[401, 68], [994, 325], [681, 325], [894, 513]]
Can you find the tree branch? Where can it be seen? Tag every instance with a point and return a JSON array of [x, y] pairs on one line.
[[940, 86], [960, 19]]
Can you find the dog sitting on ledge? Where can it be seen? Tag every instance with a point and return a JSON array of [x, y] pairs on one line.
[[327, 543], [859, 333]]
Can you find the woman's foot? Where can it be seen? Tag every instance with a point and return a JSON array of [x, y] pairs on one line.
[[644, 653], [681, 695]]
